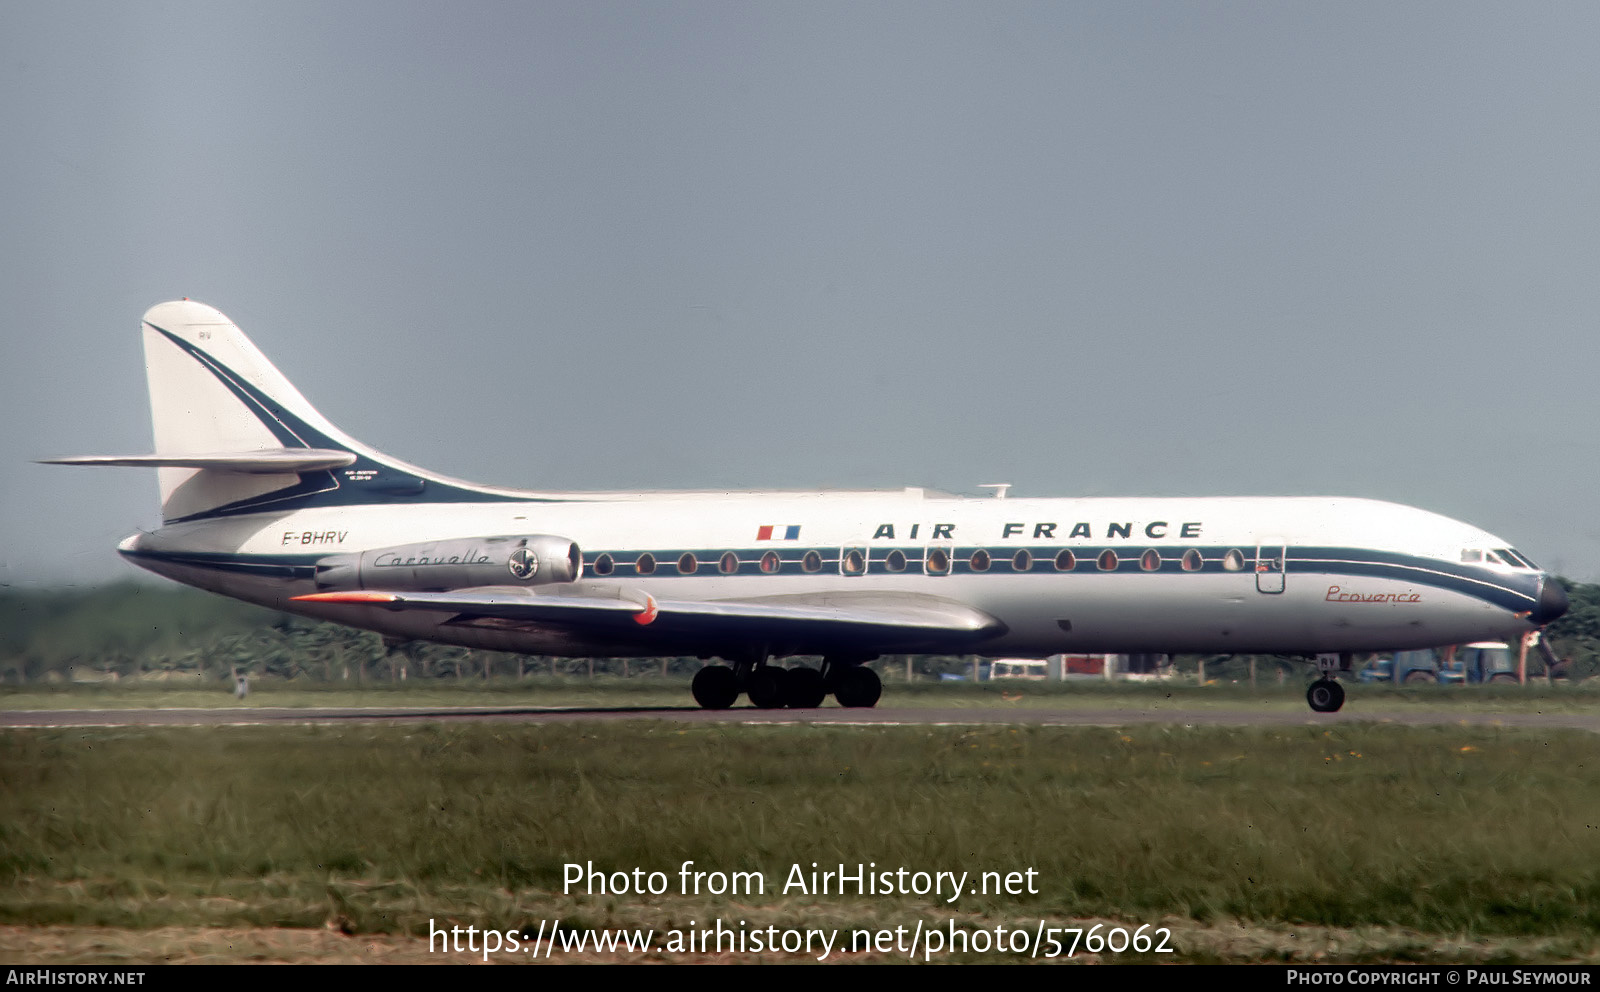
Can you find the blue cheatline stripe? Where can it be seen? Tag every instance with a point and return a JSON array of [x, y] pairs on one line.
[[1510, 592], [1501, 590], [366, 481]]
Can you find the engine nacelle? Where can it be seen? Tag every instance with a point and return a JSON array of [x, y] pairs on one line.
[[529, 560]]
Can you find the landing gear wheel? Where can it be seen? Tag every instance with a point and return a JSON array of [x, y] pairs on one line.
[[1325, 696], [766, 687], [858, 687], [804, 689], [715, 687]]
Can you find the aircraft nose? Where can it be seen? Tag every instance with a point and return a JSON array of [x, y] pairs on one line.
[[1552, 601]]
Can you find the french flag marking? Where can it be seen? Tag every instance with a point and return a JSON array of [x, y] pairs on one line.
[[791, 532]]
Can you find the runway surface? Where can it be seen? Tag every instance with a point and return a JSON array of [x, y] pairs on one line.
[[888, 716]]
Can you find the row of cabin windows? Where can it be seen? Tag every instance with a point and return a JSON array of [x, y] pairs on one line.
[[937, 562]]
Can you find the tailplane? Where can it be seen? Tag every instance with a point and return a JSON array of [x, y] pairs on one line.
[[233, 436]]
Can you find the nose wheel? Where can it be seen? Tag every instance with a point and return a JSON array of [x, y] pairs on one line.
[[1325, 696]]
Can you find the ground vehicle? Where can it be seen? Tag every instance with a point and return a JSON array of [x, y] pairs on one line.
[[1486, 661], [1019, 668], [1480, 661], [1404, 666], [1377, 670]]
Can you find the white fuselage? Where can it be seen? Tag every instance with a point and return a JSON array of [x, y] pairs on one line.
[[1290, 575]]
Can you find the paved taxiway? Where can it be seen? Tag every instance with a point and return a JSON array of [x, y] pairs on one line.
[[258, 716]]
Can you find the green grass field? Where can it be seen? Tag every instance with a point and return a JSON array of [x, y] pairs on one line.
[[1354, 843]]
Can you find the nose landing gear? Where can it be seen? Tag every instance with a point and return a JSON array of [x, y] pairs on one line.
[[1325, 696]]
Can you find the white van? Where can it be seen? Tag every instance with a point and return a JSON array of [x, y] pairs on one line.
[[1019, 668]]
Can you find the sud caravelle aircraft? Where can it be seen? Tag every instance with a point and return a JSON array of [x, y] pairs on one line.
[[263, 499]]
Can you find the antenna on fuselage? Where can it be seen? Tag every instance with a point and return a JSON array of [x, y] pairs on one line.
[[1000, 488]]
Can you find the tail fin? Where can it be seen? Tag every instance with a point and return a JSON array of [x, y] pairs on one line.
[[232, 435], [212, 391]]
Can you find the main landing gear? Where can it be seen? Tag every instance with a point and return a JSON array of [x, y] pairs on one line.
[[717, 687], [859, 686], [1326, 695]]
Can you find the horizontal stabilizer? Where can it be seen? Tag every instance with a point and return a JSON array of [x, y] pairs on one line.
[[266, 462]]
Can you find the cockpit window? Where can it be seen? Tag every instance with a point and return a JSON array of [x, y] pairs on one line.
[[1515, 558], [1498, 556]]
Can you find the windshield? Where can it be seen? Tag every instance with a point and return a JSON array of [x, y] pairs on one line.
[[1499, 556], [1521, 559]]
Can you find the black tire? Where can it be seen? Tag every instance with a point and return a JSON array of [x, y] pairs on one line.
[[766, 687], [859, 687], [804, 689], [1325, 696], [715, 687]]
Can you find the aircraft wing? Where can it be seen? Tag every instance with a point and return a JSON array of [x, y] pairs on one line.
[[808, 623]]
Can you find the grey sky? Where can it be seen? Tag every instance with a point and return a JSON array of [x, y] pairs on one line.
[[1085, 248]]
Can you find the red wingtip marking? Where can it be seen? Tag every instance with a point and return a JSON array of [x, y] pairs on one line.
[[648, 615], [347, 597]]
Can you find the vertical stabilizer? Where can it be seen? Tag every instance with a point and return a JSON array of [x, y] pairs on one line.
[[233, 436], [211, 391]]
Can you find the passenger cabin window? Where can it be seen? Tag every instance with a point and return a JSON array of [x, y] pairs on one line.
[[769, 562], [1108, 560], [729, 563], [853, 562], [1150, 560], [1066, 561], [1192, 561], [895, 561], [812, 562], [979, 562], [1233, 561], [1021, 561], [604, 565], [646, 564], [937, 561], [687, 564]]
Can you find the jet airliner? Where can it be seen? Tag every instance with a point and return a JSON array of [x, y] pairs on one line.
[[263, 499]]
